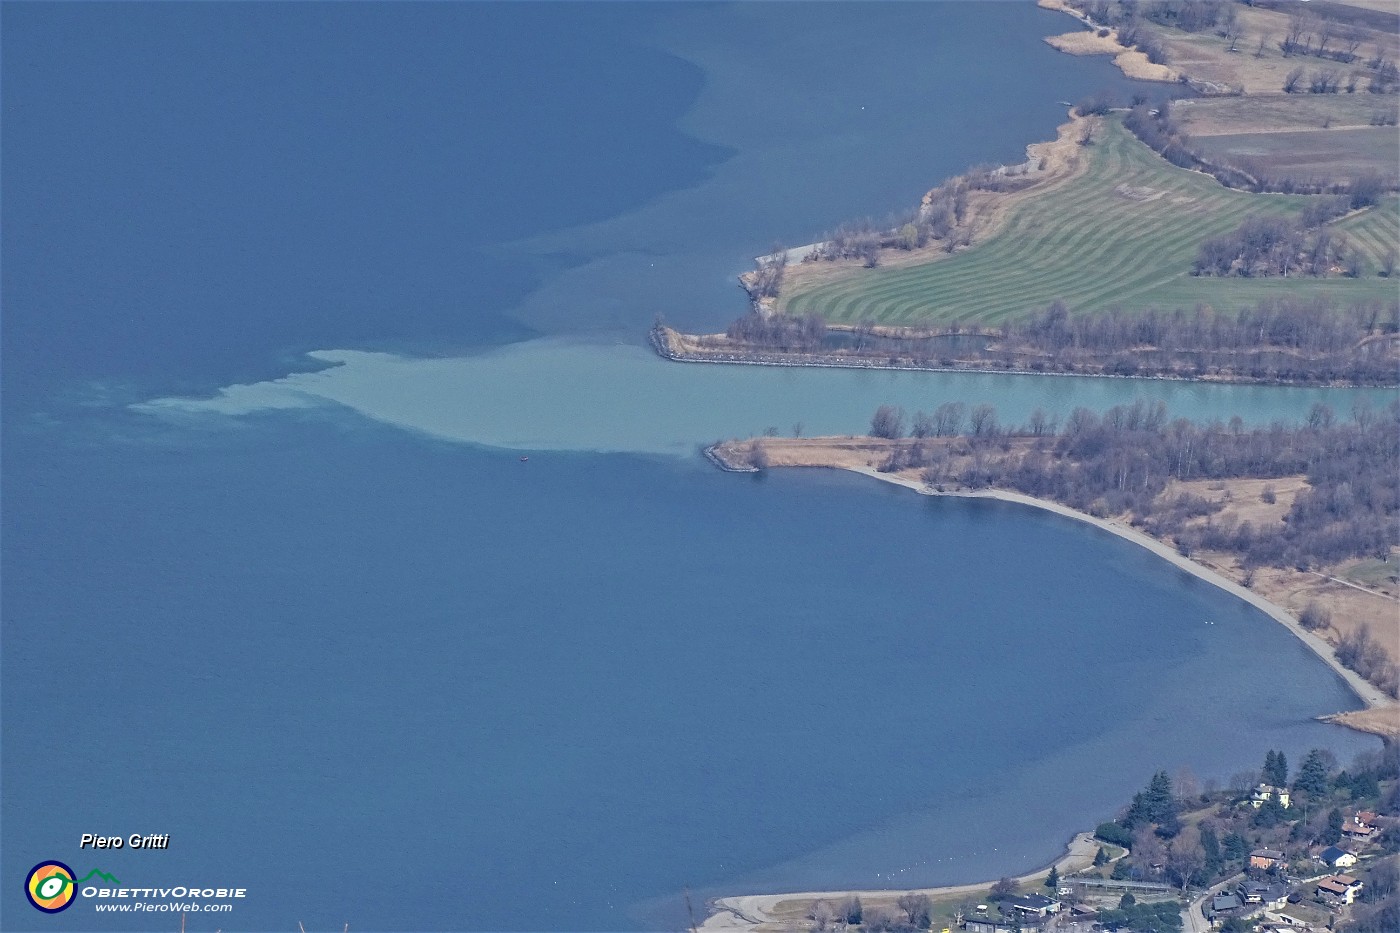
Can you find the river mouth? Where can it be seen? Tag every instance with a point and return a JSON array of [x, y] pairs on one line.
[[570, 394]]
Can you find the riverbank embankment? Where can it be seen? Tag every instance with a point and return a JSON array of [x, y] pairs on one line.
[[679, 347]]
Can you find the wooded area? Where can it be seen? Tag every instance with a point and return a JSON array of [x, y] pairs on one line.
[[1284, 340], [1122, 462]]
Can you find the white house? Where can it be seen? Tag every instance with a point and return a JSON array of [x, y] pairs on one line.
[[1266, 792], [1335, 857], [1338, 889]]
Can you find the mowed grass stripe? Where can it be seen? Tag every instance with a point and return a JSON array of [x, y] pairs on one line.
[[1049, 251], [1015, 263], [1112, 249], [1083, 243], [1376, 232], [1109, 247], [1236, 293]]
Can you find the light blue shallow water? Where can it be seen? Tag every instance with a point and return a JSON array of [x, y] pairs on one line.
[[569, 395], [377, 677]]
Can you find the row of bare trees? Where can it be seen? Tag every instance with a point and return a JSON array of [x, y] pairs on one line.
[[1311, 34], [1329, 80], [1280, 246], [1121, 462], [1277, 340]]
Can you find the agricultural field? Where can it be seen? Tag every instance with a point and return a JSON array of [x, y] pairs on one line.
[[1320, 155], [1286, 113], [1123, 234], [1376, 230]]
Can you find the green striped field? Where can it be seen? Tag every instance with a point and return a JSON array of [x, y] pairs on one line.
[[1123, 234], [1375, 232]]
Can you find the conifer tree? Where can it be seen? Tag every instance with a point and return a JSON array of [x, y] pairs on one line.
[[1312, 774], [1333, 833], [1275, 769], [1210, 846]]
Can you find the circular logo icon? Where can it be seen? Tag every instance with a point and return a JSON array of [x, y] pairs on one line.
[[50, 887]]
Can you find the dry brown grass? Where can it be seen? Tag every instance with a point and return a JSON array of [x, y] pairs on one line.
[[1131, 62], [1380, 721], [1243, 498], [1282, 113], [1384, 6], [1086, 42], [1206, 56]]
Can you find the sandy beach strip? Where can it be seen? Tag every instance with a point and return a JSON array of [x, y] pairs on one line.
[[1367, 692], [747, 911]]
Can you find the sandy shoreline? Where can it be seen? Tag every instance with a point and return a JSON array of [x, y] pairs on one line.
[[1365, 691], [746, 911]]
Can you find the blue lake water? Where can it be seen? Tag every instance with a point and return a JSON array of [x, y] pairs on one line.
[[358, 659]]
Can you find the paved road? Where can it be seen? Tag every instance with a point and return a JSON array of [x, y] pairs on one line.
[[1193, 916]]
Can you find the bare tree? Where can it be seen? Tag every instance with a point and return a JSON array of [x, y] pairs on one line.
[[1325, 32], [1293, 38], [923, 425], [1298, 39], [917, 907], [948, 418], [768, 273], [1324, 81], [1185, 783], [1241, 782], [1148, 850], [1040, 423], [1185, 857], [1351, 41], [881, 920], [983, 420], [887, 422], [1292, 80]]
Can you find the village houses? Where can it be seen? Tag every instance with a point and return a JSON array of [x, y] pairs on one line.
[[1338, 889]]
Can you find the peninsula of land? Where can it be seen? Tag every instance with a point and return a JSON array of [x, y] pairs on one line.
[[1247, 232]]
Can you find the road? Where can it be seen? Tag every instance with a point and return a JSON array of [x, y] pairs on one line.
[[1193, 916]]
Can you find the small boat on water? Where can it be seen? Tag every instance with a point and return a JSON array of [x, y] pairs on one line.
[[523, 459]]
